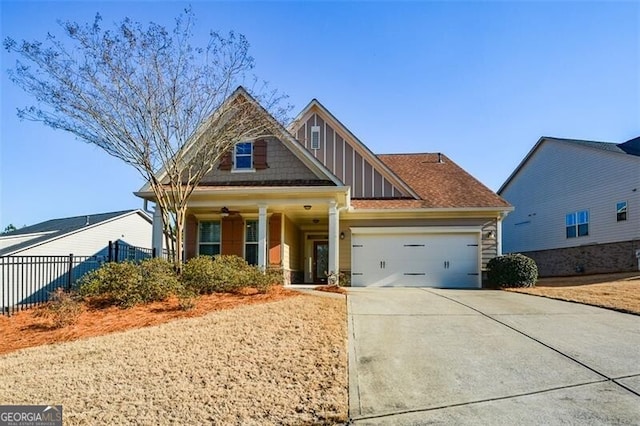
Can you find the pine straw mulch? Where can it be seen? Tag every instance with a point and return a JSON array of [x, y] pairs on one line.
[[331, 289], [26, 329], [620, 292]]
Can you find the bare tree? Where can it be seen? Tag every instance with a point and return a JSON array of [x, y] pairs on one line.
[[149, 98]]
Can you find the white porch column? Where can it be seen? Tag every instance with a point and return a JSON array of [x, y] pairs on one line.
[[262, 236], [156, 232], [334, 238], [499, 235]]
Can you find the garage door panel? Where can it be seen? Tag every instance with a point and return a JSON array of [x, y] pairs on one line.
[[420, 260]]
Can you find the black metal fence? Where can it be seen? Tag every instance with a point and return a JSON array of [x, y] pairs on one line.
[[27, 281]]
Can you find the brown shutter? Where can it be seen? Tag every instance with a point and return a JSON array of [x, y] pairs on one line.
[[226, 162], [191, 237], [275, 227], [232, 235], [260, 154]]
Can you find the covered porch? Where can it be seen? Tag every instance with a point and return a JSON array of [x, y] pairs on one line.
[[293, 228]]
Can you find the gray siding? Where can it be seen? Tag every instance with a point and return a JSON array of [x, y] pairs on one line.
[[283, 165], [562, 177]]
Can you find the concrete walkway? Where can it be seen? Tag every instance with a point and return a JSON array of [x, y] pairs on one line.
[[427, 356]]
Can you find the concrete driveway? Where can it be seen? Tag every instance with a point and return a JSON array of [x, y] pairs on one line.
[[427, 356]]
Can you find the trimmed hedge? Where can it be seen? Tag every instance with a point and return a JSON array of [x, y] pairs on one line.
[[512, 270]]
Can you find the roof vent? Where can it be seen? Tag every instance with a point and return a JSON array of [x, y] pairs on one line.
[[440, 160]]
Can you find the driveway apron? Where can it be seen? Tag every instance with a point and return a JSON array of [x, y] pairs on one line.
[[427, 356]]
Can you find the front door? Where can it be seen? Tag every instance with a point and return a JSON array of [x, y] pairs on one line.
[[320, 261]]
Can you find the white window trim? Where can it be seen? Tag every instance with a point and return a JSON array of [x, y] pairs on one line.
[[208, 243], [576, 214], [626, 211], [235, 162], [315, 129], [256, 243]]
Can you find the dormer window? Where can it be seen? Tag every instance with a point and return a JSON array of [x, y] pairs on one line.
[[315, 137], [243, 156]]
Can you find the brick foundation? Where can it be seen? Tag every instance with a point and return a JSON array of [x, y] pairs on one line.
[[591, 259]]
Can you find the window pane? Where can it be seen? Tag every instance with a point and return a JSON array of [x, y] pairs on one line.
[[583, 230], [621, 216], [583, 216], [209, 249], [210, 232], [621, 207], [243, 162], [251, 235], [571, 231], [251, 253], [243, 148], [570, 219]]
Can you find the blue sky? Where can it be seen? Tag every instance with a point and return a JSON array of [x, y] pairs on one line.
[[478, 81]]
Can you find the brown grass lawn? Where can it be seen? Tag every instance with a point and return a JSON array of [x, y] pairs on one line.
[[614, 291], [26, 329], [278, 358]]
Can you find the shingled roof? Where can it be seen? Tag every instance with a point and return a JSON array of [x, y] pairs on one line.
[[438, 181]]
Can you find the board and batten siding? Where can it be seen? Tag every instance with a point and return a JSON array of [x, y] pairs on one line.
[[564, 177], [489, 246], [132, 229], [336, 152]]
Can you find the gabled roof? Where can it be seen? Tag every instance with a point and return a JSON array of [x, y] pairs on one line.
[[282, 134], [57, 228], [439, 183], [630, 147], [359, 146]]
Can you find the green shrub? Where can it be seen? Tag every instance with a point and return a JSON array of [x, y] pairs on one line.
[[232, 273], [158, 280], [198, 275], [127, 284], [264, 281], [513, 270], [226, 273], [62, 309], [116, 283]]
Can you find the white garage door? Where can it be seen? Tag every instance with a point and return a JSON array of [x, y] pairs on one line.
[[415, 260]]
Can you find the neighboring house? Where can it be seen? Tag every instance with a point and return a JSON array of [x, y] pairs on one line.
[[87, 235], [313, 199], [37, 259], [577, 206]]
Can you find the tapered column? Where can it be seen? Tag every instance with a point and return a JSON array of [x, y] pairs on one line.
[[157, 232], [262, 236], [334, 239]]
